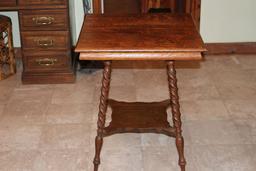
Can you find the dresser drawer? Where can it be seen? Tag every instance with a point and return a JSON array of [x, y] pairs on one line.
[[46, 61], [43, 2], [46, 40], [7, 2], [44, 19]]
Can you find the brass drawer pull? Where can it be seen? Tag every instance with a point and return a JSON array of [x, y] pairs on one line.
[[44, 43], [43, 20], [46, 61]]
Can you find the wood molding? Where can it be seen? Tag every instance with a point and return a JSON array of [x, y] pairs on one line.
[[231, 48], [97, 6]]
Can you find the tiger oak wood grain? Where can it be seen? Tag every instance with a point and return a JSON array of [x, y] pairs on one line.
[[137, 37]]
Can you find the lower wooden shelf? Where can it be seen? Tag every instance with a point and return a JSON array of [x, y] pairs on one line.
[[139, 117]]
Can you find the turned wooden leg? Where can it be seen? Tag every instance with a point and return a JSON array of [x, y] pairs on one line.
[[12, 63], [102, 112], [173, 89]]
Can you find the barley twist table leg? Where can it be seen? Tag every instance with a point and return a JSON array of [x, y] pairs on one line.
[[102, 112], [11, 52], [176, 112]]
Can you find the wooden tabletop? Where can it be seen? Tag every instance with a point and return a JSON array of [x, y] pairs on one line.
[[139, 37]]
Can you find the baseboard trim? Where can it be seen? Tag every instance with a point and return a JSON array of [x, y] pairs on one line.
[[231, 48]]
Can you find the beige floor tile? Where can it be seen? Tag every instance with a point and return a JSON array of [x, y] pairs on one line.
[[34, 93], [160, 159], [70, 94], [2, 106], [157, 93], [69, 113], [241, 109], [247, 62], [190, 93], [247, 129], [119, 93], [233, 92], [17, 160], [214, 132], [24, 112], [194, 77], [156, 140], [159, 140], [150, 78], [121, 141], [233, 77], [11, 81], [204, 110], [64, 160], [65, 136], [225, 157], [122, 159], [165, 159], [221, 63], [19, 137], [151, 85], [122, 93], [6, 93], [122, 77], [87, 81]]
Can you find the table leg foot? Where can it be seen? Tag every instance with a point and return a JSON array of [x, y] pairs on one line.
[[98, 146], [173, 89], [102, 112]]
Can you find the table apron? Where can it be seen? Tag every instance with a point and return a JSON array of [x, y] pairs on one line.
[[140, 56]]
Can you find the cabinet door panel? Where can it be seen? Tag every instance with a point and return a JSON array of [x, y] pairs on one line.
[[45, 40], [44, 19], [46, 61]]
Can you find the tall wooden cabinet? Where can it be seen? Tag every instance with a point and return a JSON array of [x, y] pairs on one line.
[[45, 40], [192, 7]]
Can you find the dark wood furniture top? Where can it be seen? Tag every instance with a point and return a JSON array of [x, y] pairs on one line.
[[45, 40], [136, 37]]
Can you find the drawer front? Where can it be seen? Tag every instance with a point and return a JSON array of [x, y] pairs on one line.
[[46, 62], [7, 2], [46, 40], [44, 19], [43, 2]]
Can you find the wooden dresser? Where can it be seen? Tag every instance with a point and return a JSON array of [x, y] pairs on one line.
[[45, 40]]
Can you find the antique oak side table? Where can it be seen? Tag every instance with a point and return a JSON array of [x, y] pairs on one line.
[[167, 37]]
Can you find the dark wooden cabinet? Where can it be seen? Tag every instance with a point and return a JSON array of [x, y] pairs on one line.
[[192, 7], [45, 40], [7, 3]]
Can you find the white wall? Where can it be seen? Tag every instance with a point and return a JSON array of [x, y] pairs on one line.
[[77, 17], [228, 21]]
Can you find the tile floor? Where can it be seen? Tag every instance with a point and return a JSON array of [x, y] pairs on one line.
[[52, 127]]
